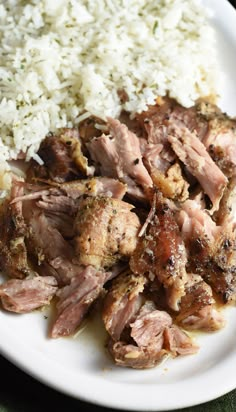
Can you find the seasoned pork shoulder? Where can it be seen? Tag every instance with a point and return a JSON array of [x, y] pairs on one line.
[[122, 302], [75, 300], [161, 253], [118, 155], [25, 295], [138, 213], [154, 337], [106, 230], [13, 231], [191, 151]]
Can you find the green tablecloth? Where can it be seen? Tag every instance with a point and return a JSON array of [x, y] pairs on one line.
[[21, 393]]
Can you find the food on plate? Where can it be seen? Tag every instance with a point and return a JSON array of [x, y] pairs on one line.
[[137, 215], [63, 61], [125, 203], [24, 295]]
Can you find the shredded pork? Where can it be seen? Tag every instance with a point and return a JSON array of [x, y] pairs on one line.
[[137, 214]]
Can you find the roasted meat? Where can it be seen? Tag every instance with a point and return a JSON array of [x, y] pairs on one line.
[[96, 186], [47, 245], [191, 151], [118, 155], [136, 214], [158, 123], [212, 249], [70, 137], [220, 141], [122, 301], [197, 308], [166, 113], [106, 230], [75, 300], [63, 159], [154, 337], [57, 163], [226, 215], [25, 295], [161, 253], [130, 355], [13, 231], [171, 183]]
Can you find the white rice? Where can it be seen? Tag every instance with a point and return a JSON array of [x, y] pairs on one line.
[[64, 60]]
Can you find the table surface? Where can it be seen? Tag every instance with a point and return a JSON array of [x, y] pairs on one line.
[[21, 393]]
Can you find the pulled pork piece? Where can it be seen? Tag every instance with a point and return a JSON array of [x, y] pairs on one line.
[[96, 186], [48, 246], [57, 203], [22, 296], [129, 355], [206, 319], [171, 184], [196, 223], [58, 164], [155, 337], [220, 271], [13, 252], [157, 123], [166, 113], [122, 302], [106, 231], [63, 158], [71, 138], [149, 325], [197, 311], [76, 299], [158, 155], [220, 142], [161, 253], [90, 128], [178, 342], [226, 215], [118, 155], [191, 151], [212, 249], [60, 197], [58, 208], [49, 216]]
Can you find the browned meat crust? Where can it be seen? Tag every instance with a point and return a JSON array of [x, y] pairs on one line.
[[63, 158], [172, 183], [220, 141], [13, 252], [197, 309], [161, 253], [105, 231], [212, 249]]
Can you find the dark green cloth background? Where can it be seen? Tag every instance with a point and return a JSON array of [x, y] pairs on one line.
[[21, 393]]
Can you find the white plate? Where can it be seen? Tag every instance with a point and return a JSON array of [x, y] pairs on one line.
[[80, 367]]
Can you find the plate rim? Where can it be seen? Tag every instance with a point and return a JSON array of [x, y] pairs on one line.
[[101, 392]]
